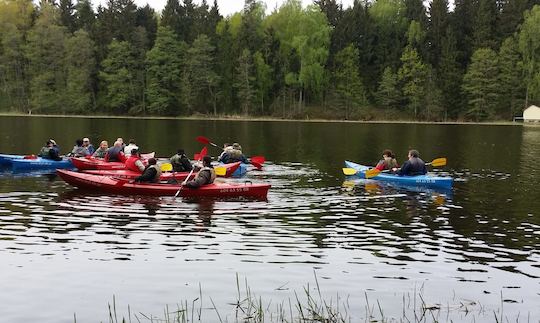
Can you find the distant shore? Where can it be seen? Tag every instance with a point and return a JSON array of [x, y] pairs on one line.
[[263, 119]]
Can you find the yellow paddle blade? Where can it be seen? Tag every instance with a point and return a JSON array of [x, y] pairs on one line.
[[439, 162], [349, 171], [167, 167], [372, 172], [220, 171]]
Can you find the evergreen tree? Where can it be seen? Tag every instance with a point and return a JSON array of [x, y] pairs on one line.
[[529, 47], [348, 85], [264, 83], [225, 65], [245, 82], [438, 24], [462, 25], [480, 84], [172, 16], [450, 76], [146, 18], [251, 32], [85, 16], [119, 78], [45, 53], [485, 24], [511, 87], [413, 76], [388, 94], [164, 70], [67, 15], [80, 67]]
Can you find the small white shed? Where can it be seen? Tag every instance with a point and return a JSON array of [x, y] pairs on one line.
[[531, 114]]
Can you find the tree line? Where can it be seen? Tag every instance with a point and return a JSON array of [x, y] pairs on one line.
[[381, 59]]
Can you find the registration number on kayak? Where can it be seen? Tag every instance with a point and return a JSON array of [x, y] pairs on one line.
[[234, 189], [425, 181]]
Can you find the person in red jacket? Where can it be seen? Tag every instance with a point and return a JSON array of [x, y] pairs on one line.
[[388, 162], [134, 162]]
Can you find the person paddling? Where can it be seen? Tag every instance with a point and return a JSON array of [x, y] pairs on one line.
[[412, 167], [151, 174], [50, 151], [89, 146], [134, 162], [115, 153], [388, 162], [180, 162], [205, 176], [234, 155], [79, 150], [102, 150]]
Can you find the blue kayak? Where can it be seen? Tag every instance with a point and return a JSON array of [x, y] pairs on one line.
[[40, 164], [419, 180], [240, 171], [5, 159]]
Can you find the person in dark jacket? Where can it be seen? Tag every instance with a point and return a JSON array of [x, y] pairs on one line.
[[79, 150], [412, 167], [50, 151], [151, 174], [115, 153], [180, 162], [205, 176]]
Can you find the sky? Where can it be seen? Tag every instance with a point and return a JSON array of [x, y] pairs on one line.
[[226, 7]]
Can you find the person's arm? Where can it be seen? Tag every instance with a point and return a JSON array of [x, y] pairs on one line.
[[404, 170], [203, 177], [147, 176], [140, 165]]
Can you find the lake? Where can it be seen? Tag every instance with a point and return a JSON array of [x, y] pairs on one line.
[[379, 251]]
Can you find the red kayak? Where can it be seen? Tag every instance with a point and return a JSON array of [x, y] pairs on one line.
[[129, 174], [122, 186], [85, 163]]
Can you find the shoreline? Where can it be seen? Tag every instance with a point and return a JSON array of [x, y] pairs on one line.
[[269, 119]]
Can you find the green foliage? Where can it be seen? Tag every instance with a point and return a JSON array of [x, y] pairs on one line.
[[348, 87], [480, 84], [511, 86], [388, 94], [80, 66], [529, 46], [413, 76], [245, 82]]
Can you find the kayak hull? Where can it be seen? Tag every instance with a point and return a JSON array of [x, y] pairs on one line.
[[5, 159], [121, 186], [444, 182], [129, 174], [238, 172], [83, 163], [40, 164]]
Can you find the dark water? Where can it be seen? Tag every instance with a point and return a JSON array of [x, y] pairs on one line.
[[63, 251]]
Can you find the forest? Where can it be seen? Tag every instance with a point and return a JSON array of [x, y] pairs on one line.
[[471, 60]]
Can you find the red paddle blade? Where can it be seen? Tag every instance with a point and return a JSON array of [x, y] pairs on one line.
[[257, 165], [197, 156], [203, 153], [258, 159], [203, 140]]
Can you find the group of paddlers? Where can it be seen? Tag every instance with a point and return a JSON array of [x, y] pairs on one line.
[[130, 156], [413, 166]]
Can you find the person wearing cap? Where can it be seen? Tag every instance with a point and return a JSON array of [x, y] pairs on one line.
[[234, 155], [79, 150], [151, 173], [205, 176], [50, 151], [102, 150], [134, 162], [89, 146], [130, 147], [180, 162], [115, 153], [412, 167]]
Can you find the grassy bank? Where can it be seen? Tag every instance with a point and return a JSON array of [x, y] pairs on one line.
[[265, 119]]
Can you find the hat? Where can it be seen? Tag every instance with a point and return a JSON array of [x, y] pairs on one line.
[[51, 141]]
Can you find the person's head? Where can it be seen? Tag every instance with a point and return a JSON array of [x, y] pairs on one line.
[[151, 161], [132, 141], [387, 153], [50, 143], [414, 153], [207, 161], [121, 140], [134, 152], [180, 151], [118, 143], [86, 141], [237, 146], [79, 142], [104, 144]]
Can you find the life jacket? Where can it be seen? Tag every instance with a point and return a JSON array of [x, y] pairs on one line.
[[45, 152], [212, 174], [131, 164], [234, 155], [387, 164], [158, 173]]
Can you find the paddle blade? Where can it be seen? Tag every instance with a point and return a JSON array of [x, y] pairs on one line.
[[372, 172], [220, 171], [203, 140], [197, 156], [257, 165], [203, 153], [167, 167], [349, 171], [439, 162], [258, 159]]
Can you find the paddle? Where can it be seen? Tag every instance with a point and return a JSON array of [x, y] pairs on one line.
[[256, 161], [438, 162], [166, 167], [220, 171], [203, 153]]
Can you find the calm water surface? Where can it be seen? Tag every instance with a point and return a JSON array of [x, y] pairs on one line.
[[64, 251]]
